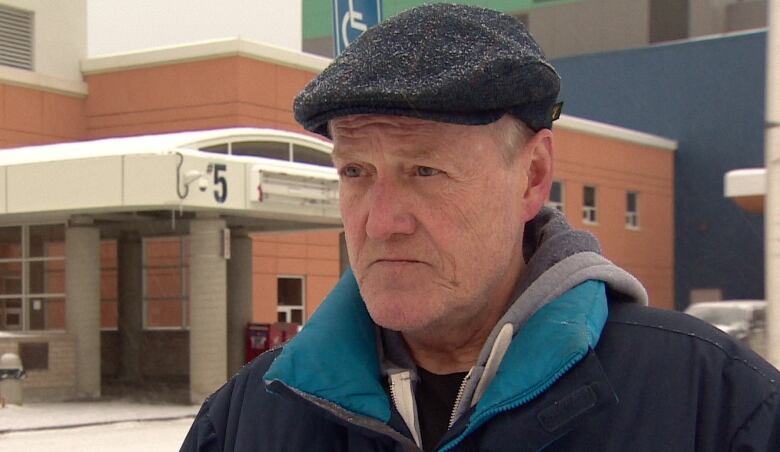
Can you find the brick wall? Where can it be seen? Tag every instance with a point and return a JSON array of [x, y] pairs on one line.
[[313, 255], [193, 95], [58, 381], [615, 167], [30, 116]]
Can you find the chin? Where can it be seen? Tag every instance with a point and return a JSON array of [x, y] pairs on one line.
[[401, 312]]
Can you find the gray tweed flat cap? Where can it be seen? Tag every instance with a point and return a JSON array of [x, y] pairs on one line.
[[443, 62]]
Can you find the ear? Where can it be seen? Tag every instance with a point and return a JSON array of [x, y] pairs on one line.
[[538, 164]]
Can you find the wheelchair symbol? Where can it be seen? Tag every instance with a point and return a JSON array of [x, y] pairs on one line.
[[352, 22]]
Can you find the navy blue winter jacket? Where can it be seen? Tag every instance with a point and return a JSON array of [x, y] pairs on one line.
[[580, 365], [652, 380]]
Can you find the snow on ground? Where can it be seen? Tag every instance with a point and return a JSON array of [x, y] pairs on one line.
[[148, 436], [48, 415]]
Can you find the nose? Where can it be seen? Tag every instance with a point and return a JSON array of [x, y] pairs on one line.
[[388, 212]]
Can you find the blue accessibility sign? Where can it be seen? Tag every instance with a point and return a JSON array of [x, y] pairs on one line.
[[351, 18]]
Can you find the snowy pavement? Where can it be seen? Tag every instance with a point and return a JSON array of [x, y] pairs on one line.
[[43, 416], [147, 436]]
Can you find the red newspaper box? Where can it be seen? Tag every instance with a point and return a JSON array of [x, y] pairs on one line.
[[281, 332], [257, 339]]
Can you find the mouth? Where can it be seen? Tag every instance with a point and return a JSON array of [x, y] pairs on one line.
[[396, 262]]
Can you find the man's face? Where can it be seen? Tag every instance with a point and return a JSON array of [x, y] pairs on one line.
[[433, 216]]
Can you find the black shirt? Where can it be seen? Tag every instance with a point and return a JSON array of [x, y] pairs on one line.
[[435, 396]]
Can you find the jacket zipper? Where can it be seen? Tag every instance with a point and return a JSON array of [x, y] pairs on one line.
[[458, 400], [500, 346], [511, 406], [403, 399]]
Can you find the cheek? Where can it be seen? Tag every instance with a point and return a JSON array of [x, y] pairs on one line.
[[478, 211], [485, 223], [459, 228]]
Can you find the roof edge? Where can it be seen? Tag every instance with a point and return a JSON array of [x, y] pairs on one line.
[[609, 131], [202, 51], [185, 141], [34, 80]]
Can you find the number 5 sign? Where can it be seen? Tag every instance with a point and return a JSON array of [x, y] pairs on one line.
[[351, 18]]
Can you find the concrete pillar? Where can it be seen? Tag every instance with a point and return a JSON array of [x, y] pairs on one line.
[[82, 314], [208, 308], [239, 299], [130, 321]]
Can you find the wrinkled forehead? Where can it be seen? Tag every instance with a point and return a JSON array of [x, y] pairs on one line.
[[359, 125], [354, 136], [402, 133]]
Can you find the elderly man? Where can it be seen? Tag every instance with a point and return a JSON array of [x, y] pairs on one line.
[[473, 318]]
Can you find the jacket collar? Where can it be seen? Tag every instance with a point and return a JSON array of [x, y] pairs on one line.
[[334, 357], [572, 401], [555, 339]]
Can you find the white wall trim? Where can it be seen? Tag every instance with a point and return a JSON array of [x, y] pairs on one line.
[[203, 51], [34, 80], [609, 131]]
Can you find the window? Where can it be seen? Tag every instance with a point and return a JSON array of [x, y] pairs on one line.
[[216, 149], [166, 282], [290, 299], [632, 210], [16, 38], [10, 315], [556, 196], [589, 214], [273, 150], [303, 154], [32, 277]]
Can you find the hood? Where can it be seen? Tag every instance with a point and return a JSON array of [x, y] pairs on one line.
[[559, 258]]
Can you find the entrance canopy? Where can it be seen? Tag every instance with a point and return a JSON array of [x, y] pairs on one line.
[[251, 177]]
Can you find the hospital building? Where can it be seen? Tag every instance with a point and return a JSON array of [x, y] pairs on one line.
[[155, 202]]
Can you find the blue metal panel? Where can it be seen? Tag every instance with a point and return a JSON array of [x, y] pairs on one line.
[[351, 18], [709, 95]]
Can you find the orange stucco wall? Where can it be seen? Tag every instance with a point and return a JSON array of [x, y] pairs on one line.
[[313, 255], [208, 94], [616, 167], [32, 116]]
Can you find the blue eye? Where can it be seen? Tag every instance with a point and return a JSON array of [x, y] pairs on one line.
[[427, 171], [351, 171]]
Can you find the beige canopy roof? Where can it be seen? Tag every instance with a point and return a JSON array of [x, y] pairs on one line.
[[170, 172]]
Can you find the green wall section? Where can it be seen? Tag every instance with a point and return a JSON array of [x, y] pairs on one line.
[[317, 18], [318, 14]]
